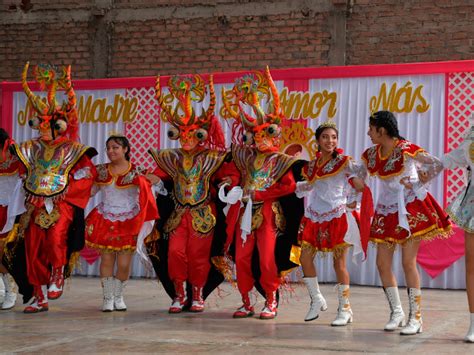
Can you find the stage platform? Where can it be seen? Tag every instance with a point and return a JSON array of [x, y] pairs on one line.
[[76, 324]]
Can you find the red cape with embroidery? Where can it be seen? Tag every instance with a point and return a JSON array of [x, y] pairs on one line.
[[313, 171], [392, 165], [120, 235]]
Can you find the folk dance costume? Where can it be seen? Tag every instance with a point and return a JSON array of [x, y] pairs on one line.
[[191, 226], [328, 225], [126, 204], [11, 205], [403, 214], [266, 177], [461, 210], [58, 179]]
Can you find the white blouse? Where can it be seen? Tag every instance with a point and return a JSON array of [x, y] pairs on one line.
[[327, 197], [119, 203]]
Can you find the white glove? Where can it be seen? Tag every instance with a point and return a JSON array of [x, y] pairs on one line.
[[234, 196]]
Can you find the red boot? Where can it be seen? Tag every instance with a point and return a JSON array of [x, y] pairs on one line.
[[56, 283], [198, 301], [180, 300], [40, 302], [270, 309], [246, 310]]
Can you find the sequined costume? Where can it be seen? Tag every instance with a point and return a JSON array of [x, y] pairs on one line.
[[187, 234], [403, 213], [58, 177], [260, 221]]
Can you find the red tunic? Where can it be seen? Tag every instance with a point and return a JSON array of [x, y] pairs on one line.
[[127, 203]]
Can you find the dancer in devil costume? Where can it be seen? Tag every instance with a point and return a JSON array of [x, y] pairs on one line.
[[191, 229], [58, 180], [266, 223]]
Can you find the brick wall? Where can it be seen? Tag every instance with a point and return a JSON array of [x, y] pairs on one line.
[[381, 31], [107, 38]]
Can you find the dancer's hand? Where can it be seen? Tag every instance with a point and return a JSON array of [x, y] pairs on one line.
[[423, 176], [153, 179], [227, 180], [358, 184], [406, 182]]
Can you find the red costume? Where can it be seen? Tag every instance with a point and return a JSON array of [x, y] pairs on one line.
[[194, 170], [403, 213], [266, 177], [58, 180], [127, 203], [9, 170]]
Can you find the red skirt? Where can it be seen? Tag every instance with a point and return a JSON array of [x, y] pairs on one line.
[[104, 234], [323, 236], [3, 220], [426, 219]]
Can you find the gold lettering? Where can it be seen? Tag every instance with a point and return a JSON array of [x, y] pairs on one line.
[[83, 111], [100, 111], [298, 104], [399, 99], [24, 115]]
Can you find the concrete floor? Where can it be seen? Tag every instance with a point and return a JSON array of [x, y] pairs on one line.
[[76, 324]]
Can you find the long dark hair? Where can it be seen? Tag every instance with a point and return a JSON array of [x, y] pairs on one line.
[[3, 137], [387, 120], [121, 141], [320, 131]]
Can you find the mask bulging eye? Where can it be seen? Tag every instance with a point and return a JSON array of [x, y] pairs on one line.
[[273, 130], [60, 126], [248, 138], [201, 134], [34, 122], [173, 133]]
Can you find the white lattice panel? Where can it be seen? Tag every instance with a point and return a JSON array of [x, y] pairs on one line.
[[460, 108], [144, 131]]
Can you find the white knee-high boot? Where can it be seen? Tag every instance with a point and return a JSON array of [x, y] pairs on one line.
[[10, 294], [344, 311], [397, 316], [470, 334], [415, 323], [119, 304], [108, 291], [318, 303]]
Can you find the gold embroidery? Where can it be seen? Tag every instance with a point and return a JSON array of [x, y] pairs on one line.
[[203, 219], [259, 160], [173, 221], [45, 219], [280, 219], [257, 217]]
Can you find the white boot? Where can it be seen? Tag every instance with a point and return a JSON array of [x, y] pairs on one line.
[[317, 300], [119, 304], [344, 311], [108, 290], [10, 295], [415, 323], [397, 316], [470, 334]]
